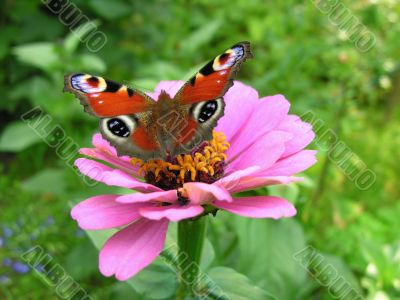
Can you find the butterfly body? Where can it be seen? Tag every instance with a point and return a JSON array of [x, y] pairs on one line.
[[147, 128]]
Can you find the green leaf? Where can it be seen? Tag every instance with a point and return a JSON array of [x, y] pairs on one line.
[[110, 10], [17, 136], [157, 281], [99, 237], [41, 55], [229, 284], [333, 270], [289, 192], [123, 291], [273, 243], [207, 256], [72, 41], [82, 260], [92, 63], [48, 181], [200, 37], [161, 70]]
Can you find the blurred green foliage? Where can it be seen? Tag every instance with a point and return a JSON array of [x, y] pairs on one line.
[[298, 52]]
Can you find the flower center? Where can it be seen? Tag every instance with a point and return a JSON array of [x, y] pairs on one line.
[[205, 164]]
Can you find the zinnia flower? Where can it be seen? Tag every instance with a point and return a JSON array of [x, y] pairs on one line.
[[255, 144]]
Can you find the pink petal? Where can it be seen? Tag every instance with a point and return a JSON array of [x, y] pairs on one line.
[[250, 182], [248, 179], [99, 142], [104, 151], [259, 207], [102, 212], [240, 101], [269, 113], [133, 248], [264, 153], [173, 213], [202, 193], [115, 177], [164, 196], [301, 131], [293, 164], [230, 181], [170, 86]]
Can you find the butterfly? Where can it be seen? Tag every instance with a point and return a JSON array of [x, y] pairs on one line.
[[142, 127]]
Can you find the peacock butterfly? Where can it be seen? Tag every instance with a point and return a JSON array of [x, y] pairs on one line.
[[142, 127]]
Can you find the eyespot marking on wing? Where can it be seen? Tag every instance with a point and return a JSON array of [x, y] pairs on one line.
[[88, 83], [207, 111], [229, 58], [118, 128]]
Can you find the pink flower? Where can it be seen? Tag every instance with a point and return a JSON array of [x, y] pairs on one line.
[[266, 147]]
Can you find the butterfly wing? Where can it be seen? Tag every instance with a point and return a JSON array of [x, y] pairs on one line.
[[203, 97], [130, 120], [106, 98], [124, 113], [216, 77]]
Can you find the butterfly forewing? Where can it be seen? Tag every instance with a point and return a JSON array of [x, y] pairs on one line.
[[216, 77], [106, 98]]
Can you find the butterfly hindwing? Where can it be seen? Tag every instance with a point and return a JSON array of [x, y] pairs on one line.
[[203, 117], [132, 135]]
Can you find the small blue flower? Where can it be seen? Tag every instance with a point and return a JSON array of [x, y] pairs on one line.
[[50, 220], [7, 262], [1, 242], [7, 231], [20, 268], [4, 279]]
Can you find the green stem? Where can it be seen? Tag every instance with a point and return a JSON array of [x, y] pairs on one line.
[[191, 235]]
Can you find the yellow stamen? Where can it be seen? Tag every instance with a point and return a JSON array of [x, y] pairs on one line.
[[205, 160]]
